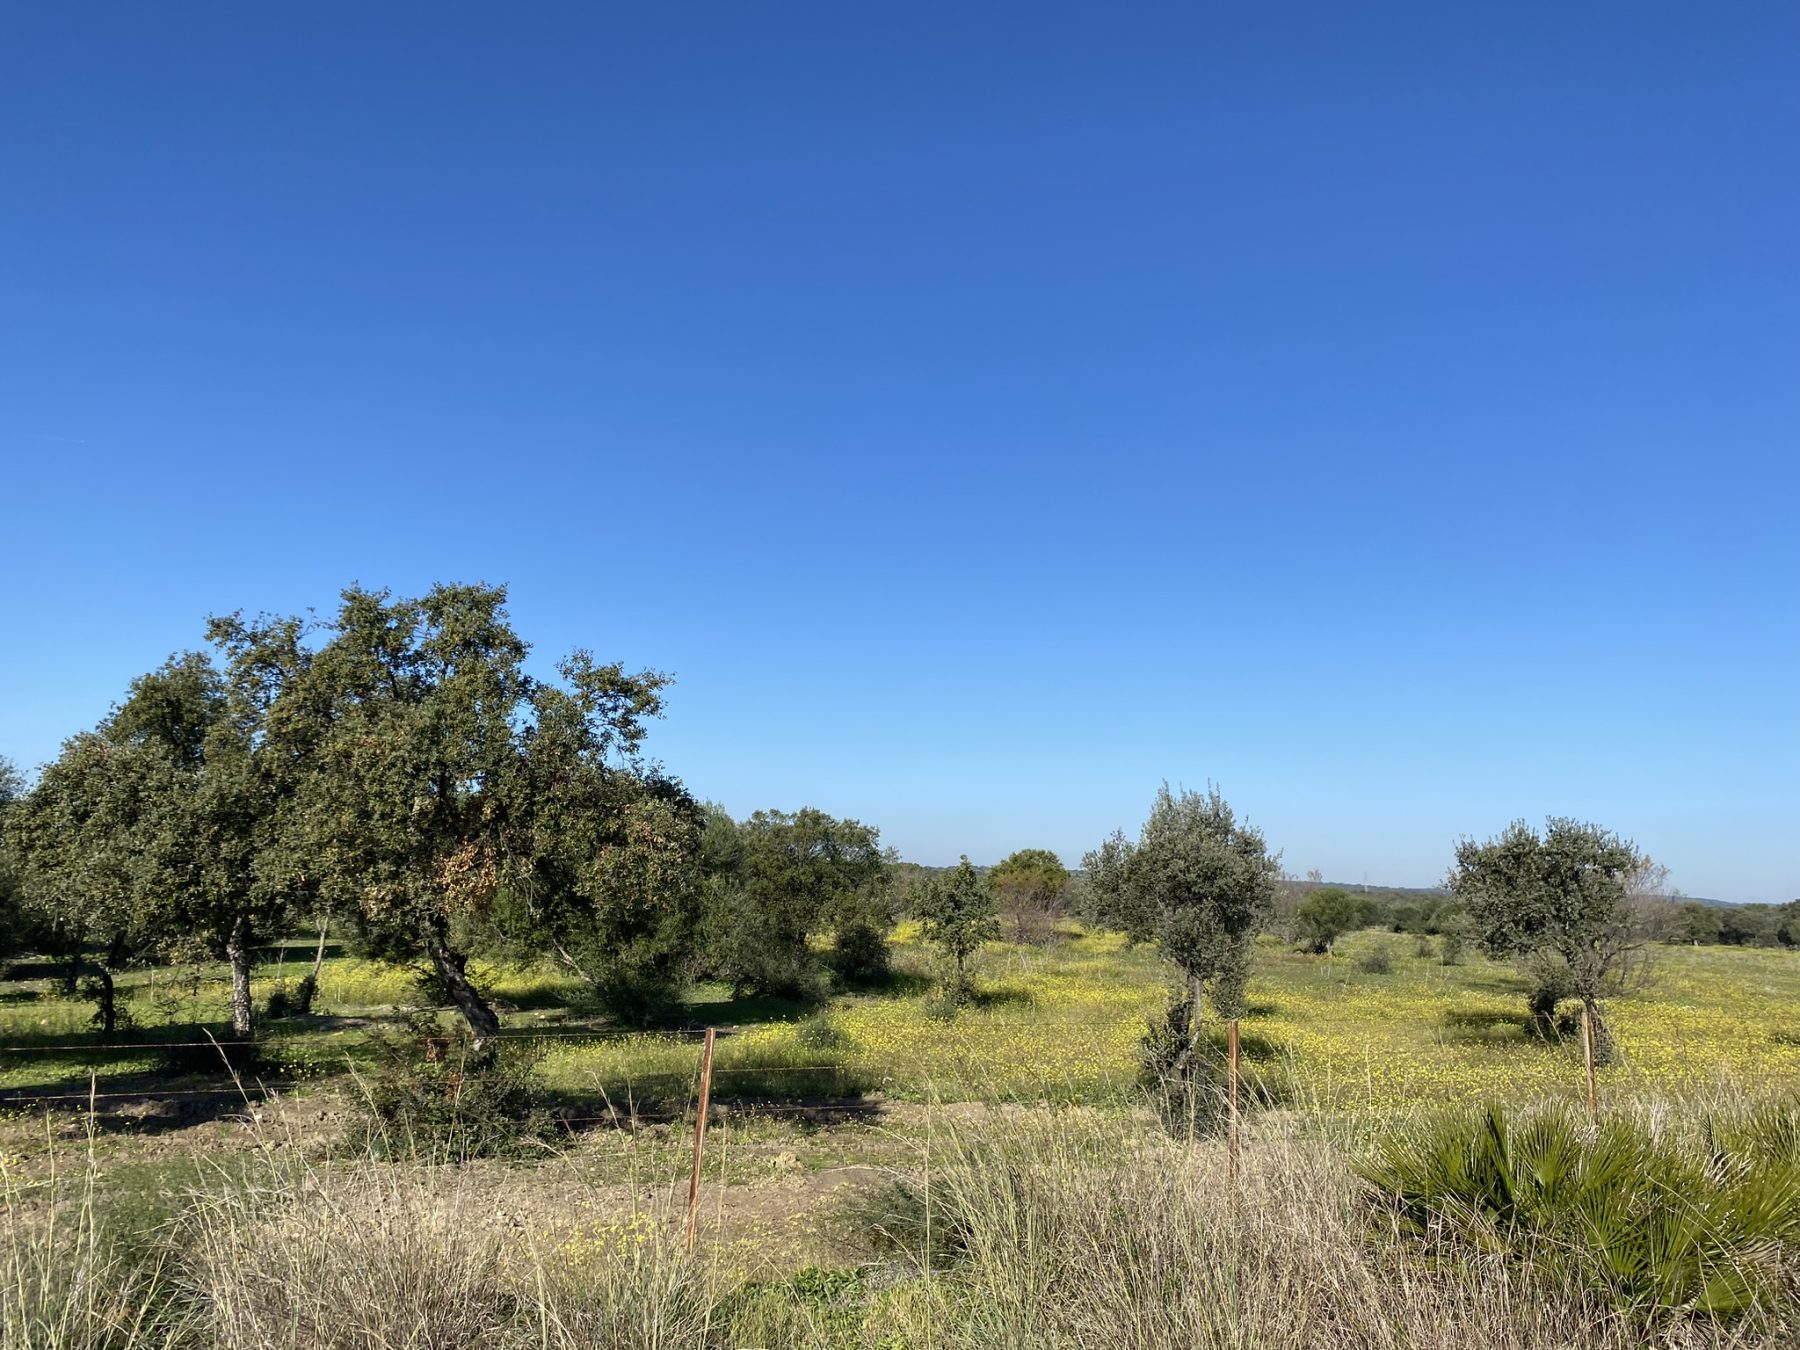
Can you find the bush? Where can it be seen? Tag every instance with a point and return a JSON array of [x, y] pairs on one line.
[[943, 1003], [1377, 959], [432, 1094], [819, 1032], [860, 957], [1653, 1222]]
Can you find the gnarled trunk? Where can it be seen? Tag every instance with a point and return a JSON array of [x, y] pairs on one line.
[[106, 1013], [237, 952], [484, 1023]]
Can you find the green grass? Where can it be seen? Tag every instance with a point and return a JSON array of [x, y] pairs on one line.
[[1056, 1024]]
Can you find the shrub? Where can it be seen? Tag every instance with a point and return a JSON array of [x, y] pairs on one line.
[[431, 1093], [942, 1003], [1655, 1223], [819, 1032], [860, 957], [281, 1003], [1377, 959]]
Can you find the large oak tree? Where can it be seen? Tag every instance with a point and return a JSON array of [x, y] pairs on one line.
[[432, 772]]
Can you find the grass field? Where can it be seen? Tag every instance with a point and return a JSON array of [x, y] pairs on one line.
[[1024, 1109], [1058, 1024]]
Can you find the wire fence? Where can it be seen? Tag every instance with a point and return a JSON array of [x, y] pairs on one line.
[[254, 1090]]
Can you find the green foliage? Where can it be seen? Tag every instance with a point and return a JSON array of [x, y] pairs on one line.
[[432, 773], [15, 923], [1376, 959], [1030, 885], [1559, 900], [1185, 1082], [860, 955], [819, 1032], [438, 1096], [779, 877], [958, 913], [812, 1307], [1454, 934], [1657, 1224], [1327, 914], [1197, 882], [1745, 925]]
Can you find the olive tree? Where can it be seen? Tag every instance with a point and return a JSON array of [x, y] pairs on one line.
[[958, 913], [1561, 903], [1326, 914], [1200, 883]]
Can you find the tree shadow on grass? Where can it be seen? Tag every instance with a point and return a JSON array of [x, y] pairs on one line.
[[1479, 1026], [1003, 997], [142, 1103], [895, 984]]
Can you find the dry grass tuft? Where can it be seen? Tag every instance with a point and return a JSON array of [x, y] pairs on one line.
[[1079, 1231]]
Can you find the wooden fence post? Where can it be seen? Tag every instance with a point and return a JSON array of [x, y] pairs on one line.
[[1231, 1042], [1587, 1050], [700, 1136]]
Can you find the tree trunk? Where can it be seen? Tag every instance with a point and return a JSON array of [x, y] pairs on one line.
[[1193, 1045], [308, 987], [72, 972], [1603, 1041], [237, 951], [107, 1013], [484, 1024]]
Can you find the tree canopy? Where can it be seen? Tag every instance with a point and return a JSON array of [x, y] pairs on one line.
[[1197, 882], [432, 772], [1326, 914], [1030, 885], [791, 874], [958, 912], [1561, 898]]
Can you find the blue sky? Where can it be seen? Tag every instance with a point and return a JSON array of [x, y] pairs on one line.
[[987, 412]]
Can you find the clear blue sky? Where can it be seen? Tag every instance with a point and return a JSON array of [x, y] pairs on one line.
[[1387, 411]]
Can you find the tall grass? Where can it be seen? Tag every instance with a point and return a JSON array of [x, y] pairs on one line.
[[1023, 1228], [1072, 1230], [66, 1283], [376, 1257], [358, 1256]]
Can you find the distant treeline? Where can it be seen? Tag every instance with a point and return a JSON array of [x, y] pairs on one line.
[[1676, 919]]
